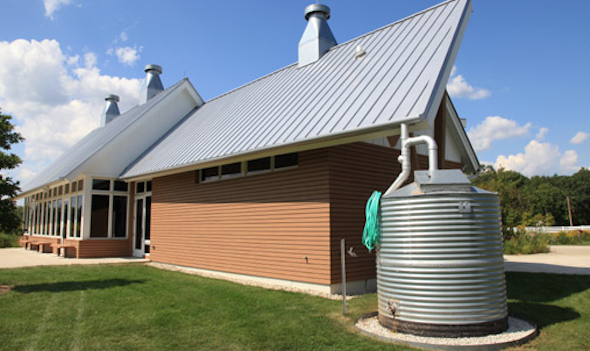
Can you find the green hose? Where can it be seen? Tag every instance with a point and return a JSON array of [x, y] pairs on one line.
[[371, 234]]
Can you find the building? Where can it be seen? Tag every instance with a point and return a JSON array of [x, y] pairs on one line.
[[266, 179]]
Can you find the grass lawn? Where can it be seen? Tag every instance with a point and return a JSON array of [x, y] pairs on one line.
[[136, 307]]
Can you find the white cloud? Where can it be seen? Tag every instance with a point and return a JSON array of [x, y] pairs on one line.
[[126, 55], [541, 134], [123, 36], [568, 163], [540, 159], [53, 99], [579, 138], [53, 5], [459, 88], [495, 128]]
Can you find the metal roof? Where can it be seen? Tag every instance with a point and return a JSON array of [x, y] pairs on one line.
[[401, 78], [84, 149]]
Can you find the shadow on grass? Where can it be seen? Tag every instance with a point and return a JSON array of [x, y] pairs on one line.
[[543, 315], [76, 285]]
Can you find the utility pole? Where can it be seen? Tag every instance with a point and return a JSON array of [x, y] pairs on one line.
[[569, 211]]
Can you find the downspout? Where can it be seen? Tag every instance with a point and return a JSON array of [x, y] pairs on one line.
[[404, 158]]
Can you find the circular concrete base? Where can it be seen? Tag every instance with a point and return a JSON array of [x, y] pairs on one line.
[[519, 332]]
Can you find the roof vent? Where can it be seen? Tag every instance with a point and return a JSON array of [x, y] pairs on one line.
[[111, 110], [317, 38], [152, 84]]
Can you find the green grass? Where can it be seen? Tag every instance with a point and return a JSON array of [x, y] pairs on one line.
[[135, 307], [9, 240]]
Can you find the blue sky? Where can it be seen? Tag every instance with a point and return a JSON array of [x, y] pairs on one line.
[[521, 78]]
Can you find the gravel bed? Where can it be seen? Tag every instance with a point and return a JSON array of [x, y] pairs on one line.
[[250, 282], [518, 330]]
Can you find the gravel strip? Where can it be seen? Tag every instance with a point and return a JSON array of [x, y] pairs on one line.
[[249, 282], [518, 329]]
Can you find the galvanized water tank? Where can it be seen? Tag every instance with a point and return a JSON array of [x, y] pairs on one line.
[[440, 268]]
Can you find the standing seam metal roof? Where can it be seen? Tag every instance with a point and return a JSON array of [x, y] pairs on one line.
[[394, 82]]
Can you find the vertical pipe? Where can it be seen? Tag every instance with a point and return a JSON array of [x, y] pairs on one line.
[[343, 263], [569, 211]]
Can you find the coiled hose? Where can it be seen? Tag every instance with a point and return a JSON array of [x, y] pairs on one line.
[[372, 232]]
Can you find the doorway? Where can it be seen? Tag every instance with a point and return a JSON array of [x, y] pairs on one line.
[[143, 213]]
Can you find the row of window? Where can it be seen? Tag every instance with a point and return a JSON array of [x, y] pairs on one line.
[[58, 191], [59, 217], [240, 169]]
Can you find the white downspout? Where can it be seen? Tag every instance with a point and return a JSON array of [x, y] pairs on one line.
[[404, 158]]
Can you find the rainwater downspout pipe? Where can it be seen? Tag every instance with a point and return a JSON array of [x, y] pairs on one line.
[[404, 158]]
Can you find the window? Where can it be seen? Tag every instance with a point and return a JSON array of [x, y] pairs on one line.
[[101, 184], [120, 186], [148, 186], [211, 173], [119, 216], [57, 219], [140, 188], [99, 217], [60, 190], [232, 170], [286, 160], [259, 165], [80, 185], [71, 231], [67, 189], [79, 217]]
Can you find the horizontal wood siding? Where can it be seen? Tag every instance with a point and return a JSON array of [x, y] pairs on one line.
[[356, 170], [103, 248], [272, 225]]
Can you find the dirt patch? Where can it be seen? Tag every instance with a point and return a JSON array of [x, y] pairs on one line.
[[4, 289]]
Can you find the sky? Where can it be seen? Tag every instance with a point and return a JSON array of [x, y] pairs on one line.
[[521, 78]]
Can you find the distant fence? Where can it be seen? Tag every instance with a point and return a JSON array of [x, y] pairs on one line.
[[556, 229]]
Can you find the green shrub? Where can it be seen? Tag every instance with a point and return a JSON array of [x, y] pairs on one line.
[[8, 240], [519, 242], [574, 237]]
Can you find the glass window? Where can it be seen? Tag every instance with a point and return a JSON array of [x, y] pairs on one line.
[[148, 186], [148, 216], [65, 219], [119, 216], [138, 223], [72, 217], [140, 187], [259, 165], [232, 170], [211, 173], [67, 189], [60, 190], [101, 184], [99, 217], [120, 186], [79, 217], [286, 160], [47, 218], [80, 185], [57, 219]]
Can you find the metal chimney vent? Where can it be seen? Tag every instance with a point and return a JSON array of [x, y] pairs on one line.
[[152, 84], [111, 110], [317, 38]]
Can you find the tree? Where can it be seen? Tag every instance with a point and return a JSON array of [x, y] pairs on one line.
[[9, 220]]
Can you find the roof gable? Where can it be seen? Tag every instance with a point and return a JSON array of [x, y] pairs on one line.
[[401, 78], [91, 149]]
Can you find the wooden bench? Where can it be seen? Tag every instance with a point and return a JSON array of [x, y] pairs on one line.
[[59, 247], [25, 242], [41, 245]]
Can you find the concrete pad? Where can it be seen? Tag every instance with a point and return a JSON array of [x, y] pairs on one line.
[[562, 259], [19, 257]]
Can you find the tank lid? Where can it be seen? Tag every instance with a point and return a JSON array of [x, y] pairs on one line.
[[443, 181]]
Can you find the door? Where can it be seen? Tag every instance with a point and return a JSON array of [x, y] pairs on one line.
[[141, 241]]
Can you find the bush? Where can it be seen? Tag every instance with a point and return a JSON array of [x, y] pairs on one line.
[[8, 240], [519, 242], [574, 237]]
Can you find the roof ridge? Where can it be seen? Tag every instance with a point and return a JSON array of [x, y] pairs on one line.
[[333, 48]]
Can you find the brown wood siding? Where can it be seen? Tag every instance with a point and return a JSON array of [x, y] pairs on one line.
[[103, 248], [356, 170], [263, 225]]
